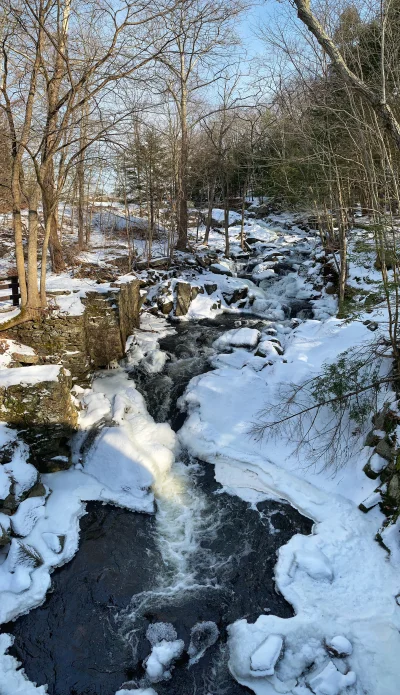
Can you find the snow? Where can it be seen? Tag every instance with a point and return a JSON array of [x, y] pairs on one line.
[[13, 679], [27, 515], [377, 463], [8, 348], [340, 645], [239, 337], [330, 681], [158, 664], [334, 578], [264, 658], [29, 376]]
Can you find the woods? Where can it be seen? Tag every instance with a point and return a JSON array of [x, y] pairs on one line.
[[167, 97]]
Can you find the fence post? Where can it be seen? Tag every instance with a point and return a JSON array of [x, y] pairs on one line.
[[14, 290]]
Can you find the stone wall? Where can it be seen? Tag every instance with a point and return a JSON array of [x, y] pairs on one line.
[[91, 340]]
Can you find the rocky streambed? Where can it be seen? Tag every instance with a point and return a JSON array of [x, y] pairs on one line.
[[206, 558]]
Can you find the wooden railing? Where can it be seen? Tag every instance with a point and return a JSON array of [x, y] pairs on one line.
[[7, 284]]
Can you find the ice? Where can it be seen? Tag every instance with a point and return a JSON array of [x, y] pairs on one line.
[[238, 337], [27, 515], [340, 645], [157, 632], [202, 636], [139, 691], [158, 664], [330, 681], [263, 660]]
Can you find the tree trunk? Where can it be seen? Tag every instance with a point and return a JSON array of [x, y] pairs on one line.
[[183, 172], [80, 173], [19, 246], [34, 301], [210, 209], [226, 225], [51, 216]]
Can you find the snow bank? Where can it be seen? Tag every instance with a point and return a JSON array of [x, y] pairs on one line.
[[338, 580]]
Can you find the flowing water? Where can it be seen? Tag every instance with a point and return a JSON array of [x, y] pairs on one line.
[[205, 559]]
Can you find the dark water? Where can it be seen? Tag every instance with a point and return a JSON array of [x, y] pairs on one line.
[[89, 637]]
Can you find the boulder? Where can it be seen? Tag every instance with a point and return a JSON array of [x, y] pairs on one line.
[[37, 395], [183, 293], [210, 287], [220, 269]]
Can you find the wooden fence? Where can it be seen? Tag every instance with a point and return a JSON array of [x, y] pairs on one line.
[[9, 289]]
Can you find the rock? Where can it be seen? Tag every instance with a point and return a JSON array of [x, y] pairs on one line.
[[202, 636], [371, 501], [5, 536], [167, 306], [36, 395], [374, 466], [49, 449], [183, 293], [371, 439], [220, 269], [24, 358], [210, 287], [195, 291], [384, 449], [236, 295]]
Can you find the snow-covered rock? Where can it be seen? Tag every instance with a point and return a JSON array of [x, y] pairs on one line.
[[264, 658], [339, 646], [329, 681], [238, 337]]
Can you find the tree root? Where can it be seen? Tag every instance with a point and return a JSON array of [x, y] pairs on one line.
[[26, 314]]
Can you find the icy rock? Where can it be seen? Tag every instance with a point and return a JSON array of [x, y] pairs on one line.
[[158, 665], [27, 515], [157, 632], [238, 337], [315, 563], [202, 636], [329, 681], [339, 646], [263, 660]]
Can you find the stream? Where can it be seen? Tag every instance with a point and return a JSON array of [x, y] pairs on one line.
[[205, 557]]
